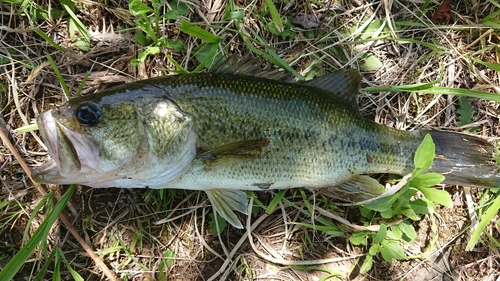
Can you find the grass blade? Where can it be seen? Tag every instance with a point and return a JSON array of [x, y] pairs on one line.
[[485, 220], [198, 32], [10, 270]]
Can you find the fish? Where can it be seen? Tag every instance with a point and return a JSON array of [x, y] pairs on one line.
[[239, 128]]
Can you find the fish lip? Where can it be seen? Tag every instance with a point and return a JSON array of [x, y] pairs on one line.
[[53, 136]]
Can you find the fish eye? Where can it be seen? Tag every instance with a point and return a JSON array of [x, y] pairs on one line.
[[88, 114]]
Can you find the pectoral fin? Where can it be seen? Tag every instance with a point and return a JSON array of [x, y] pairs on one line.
[[233, 152], [225, 201]]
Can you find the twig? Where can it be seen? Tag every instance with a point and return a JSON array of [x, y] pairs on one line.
[[62, 217]]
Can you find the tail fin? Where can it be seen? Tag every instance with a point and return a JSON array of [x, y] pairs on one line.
[[464, 160]]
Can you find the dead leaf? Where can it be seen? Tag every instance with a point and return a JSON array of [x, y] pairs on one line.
[[307, 21], [443, 12]]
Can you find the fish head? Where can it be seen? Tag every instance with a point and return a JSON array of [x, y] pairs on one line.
[[126, 138]]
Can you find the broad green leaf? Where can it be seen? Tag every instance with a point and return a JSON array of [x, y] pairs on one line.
[[380, 234], [213, 221], [367, 264], [423, 206], [42, 13], [409, 213], [77, 30], [383, 204], [436, 195], [4, 60], [137, 8], [370, 63], [424, 155], [358, 238], [465, 112], [427, 180], [391, 249], [173, 44], [207, 54], [80, 39], [374, 249], [169, 256], [408, 229], [141, 39], [198, 32]]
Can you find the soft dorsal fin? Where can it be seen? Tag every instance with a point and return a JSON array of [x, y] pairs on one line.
[[248, 65], [343, 84]]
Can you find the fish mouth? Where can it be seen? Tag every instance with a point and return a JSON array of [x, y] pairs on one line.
[[65, 161]]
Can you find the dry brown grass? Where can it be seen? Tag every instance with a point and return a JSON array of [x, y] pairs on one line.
[[121, 225]]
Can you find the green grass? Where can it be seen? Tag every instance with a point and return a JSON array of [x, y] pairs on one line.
[[411, 67]]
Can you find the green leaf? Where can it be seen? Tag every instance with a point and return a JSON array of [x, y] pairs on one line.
[[179, 8], [380, 234], [77, 30], [436, 195], [424, 155], [207, 54], [391, 249], [408, 229], [276, 200], [383, 204], [367, 264], [213, 223], [409, 213], [275, 15], [427, 180], [358, 238], [423, 206], [370, 62], [490, 213], [137, 8], [169, 256], [151, 50], [173, 44], [374, 249], [80, 39], [198, 32], [48, 39], [75, 276], [141, 39]]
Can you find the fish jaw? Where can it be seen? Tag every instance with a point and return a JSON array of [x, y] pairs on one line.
[[70, 154]]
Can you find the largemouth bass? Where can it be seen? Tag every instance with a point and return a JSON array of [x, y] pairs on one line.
[[223, 133]]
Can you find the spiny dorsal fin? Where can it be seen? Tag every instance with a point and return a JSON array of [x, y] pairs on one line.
[[343, 84], [248, 65], [225, 201]]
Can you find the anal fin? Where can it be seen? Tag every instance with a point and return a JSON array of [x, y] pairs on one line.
[[225, 201], [356, 189]]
